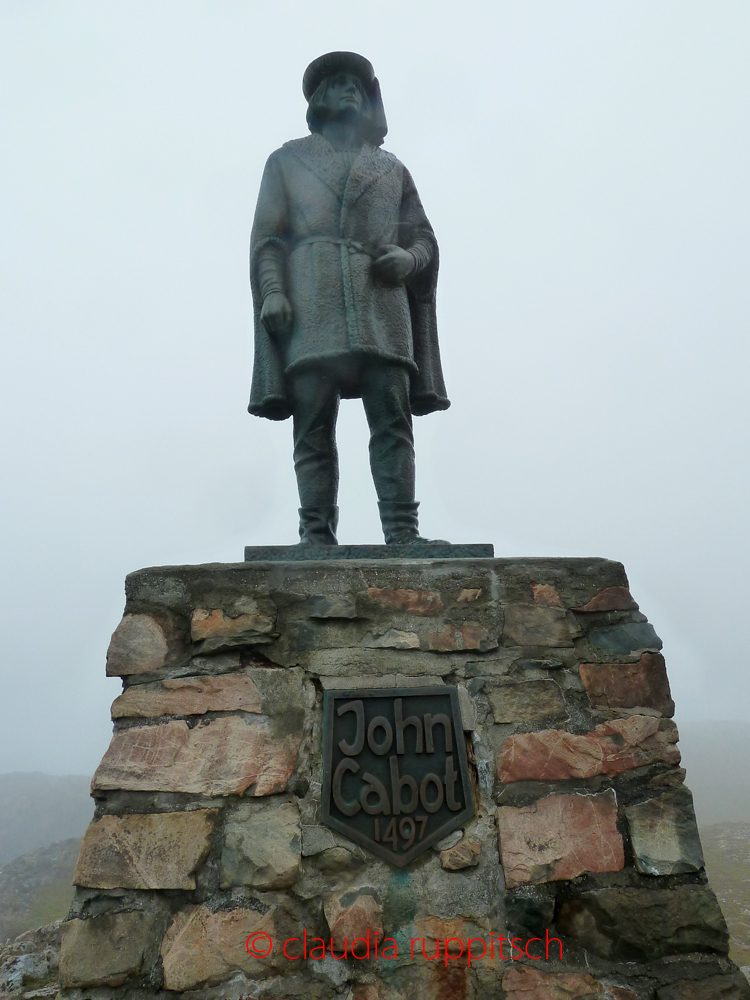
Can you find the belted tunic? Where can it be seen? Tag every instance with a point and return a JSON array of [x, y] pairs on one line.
[[324, 222]]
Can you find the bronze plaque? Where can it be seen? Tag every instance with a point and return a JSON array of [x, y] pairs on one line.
[[395, 775]]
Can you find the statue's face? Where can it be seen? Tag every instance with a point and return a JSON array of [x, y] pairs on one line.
[[344, 94]]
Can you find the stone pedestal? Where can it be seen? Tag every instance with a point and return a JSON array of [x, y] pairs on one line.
[[208, 869]]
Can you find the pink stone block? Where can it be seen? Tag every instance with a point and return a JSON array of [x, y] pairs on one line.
[[629, 685], [614, 747], [225, 757], [137, 646], [559, 837], [145, 851], [420, 602], [189, 696], [611, 599]]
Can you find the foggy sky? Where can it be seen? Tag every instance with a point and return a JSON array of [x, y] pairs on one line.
[[585, 167]]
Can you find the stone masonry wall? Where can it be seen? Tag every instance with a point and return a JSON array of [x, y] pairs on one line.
[[207, 825]]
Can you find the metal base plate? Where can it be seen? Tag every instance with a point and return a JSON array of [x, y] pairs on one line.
[[423, 550]]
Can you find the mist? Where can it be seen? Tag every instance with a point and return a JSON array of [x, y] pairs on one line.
[[585, 167]]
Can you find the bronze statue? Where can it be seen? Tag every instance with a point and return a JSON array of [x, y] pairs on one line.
[[343, 265]]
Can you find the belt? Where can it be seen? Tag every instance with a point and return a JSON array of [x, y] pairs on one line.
[[353, 245]]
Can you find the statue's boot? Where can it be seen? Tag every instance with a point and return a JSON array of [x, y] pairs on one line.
[[401, 523], [317, 525]]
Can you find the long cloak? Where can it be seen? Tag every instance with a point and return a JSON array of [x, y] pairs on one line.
[[328, 223]]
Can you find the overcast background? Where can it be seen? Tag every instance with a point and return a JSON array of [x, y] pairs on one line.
[[586, 168]]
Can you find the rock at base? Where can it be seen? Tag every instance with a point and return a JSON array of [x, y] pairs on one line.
[[30, 964]]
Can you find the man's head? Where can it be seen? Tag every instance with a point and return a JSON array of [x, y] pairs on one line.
[[342, 94], [343, 84]]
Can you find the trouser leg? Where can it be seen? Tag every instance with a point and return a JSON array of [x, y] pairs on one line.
[[385, 395], [315, 398]]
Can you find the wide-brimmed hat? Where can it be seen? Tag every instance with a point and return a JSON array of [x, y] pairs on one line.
[[335, 62], [357, 65]]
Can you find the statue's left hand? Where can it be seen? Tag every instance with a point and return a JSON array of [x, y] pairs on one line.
[[276, 313], [394, 265]]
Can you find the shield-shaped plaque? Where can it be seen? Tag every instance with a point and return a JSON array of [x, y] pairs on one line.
[[395, 775]]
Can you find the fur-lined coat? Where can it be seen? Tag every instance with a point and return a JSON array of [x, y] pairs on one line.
[[328, 223]]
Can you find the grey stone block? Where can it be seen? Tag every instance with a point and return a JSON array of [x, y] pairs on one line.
[[537, 625], [108, 950], [625, 640], [529, 911], [733, 986], [545, 664], [642, 925], [664, 834], [365, 681], [262, 845], [529, 701], [332, 606]]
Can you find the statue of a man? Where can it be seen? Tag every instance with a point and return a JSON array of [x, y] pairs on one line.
[[343, 266]]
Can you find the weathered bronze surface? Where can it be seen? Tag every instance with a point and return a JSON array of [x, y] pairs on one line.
[[395, 773], [343, 266]]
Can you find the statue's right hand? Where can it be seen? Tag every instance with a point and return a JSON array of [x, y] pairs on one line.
[[276, 313]]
